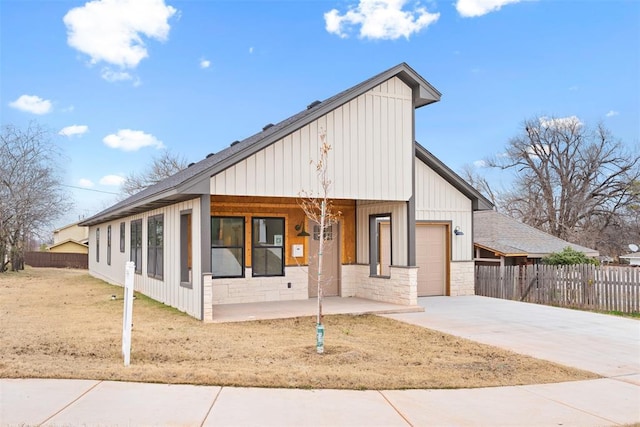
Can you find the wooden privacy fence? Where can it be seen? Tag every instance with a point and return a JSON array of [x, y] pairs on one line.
[[579, 286], [56, 259]]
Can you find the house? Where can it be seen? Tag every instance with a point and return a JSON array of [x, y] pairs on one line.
[[228, 229], [634, 258], [501, 240], [71, 238]]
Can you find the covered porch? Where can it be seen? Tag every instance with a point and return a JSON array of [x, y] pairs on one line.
[[308, 307]]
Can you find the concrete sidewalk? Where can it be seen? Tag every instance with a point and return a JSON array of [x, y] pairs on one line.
[[604, 344], [603, 402]]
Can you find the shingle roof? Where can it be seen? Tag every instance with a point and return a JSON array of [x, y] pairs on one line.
[[508, 237], [194, 180]]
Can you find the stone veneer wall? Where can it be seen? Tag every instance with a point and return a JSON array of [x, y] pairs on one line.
[[399, 288], [262, 289], [462, 278]]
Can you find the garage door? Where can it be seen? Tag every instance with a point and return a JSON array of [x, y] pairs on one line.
[[432, 258]]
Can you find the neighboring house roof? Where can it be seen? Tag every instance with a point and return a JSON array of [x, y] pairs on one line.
[[195, 180], [82, 247], [634, 255], [506, 236]]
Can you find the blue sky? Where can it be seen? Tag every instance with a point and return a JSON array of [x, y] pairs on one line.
[[119, 80]]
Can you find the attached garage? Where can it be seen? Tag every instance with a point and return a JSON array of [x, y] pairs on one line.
[[432, 258]]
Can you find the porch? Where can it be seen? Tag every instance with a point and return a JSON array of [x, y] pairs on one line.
[[309, 307]]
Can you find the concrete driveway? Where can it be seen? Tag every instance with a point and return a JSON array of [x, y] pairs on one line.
[[600, 343]]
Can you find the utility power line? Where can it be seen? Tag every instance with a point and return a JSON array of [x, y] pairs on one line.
[[89, 189]]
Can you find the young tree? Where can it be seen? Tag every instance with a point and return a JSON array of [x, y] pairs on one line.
[[162, 166], [31, 195], [319, 209], [570, 181]]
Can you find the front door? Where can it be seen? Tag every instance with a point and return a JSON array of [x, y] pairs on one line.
[[330, 260]]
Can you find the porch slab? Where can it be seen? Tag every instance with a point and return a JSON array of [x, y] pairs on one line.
[[299, 308]]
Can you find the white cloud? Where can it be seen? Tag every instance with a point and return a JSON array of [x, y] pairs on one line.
[[574, 88], [132, 140], [115, 76], [73, 130], [535, 149], [380, 19], [32, 104], [112, 180], [111, 30], [85, 183], [205, 63], [473, 8], [251, 50], [612, 113], [480, 163], [566, 123]]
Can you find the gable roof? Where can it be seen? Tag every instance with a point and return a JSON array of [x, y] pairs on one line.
[[506, 236], [83, 244], [479, 202], [194, 180]]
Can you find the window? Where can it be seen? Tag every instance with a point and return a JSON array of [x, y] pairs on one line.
[[227, 246], [122, 237], [380, 245], [108, 245], [154, 246], [136, 244], [185, 247], [97, 244], [267, 244]]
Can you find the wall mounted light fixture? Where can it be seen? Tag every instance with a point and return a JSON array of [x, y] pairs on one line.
[[457, 231], [301, 231]]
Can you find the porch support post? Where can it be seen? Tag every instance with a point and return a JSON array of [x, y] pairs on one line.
[[205, 246], [411, 230]]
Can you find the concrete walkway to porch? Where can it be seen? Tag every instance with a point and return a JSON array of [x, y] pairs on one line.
[[298, 308]]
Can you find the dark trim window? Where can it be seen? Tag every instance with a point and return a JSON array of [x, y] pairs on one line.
[[185, 248], [122, 237], [227, 246], [380, 253], [136, 244], [267, 247], [108, 245], [155, 243], [98, 244]]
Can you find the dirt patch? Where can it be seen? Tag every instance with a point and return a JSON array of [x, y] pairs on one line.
[[64, 324]]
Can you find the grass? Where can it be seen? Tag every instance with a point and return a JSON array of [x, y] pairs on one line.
[[64, 324]]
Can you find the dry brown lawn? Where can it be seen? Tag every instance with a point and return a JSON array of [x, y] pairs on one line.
[[63, 324]]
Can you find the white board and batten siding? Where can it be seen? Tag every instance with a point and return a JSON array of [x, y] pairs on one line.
[[398, 211], [372, 149], [168, 290], [437, 200]]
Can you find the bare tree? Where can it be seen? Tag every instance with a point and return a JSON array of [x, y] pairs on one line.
[[480, 183], [31, 194], [162, 166], [319, 208], [570, 181]]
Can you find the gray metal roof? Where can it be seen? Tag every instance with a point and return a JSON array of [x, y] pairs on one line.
[[509, 237], [194, 180]]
